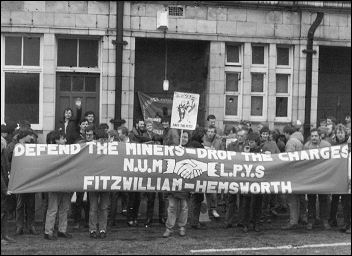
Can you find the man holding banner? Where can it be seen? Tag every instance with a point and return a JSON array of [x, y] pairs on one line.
[[296, 202], [316, 142]]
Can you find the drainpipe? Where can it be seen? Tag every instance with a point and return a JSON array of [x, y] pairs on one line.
[[309, 51], [119, 43]]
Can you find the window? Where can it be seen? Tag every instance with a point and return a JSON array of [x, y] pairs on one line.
[[21, 79], [283, 56], [77, 53], [233, 82], [233, 55], [22, 51], [258, 94], [284, 72], [232, 93], [259, 80], [78, 74], [176, 11], [22, 97], [258, 54], [77, 82]]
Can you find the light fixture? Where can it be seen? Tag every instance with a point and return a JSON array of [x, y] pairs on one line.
[[165, 82], [166, 85]]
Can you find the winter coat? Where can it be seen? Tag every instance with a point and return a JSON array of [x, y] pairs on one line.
[[270, 146], [72, 129], [322, 144], [295, 142]]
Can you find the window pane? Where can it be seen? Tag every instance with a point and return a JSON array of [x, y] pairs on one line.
[[31, 51], [281, 83], [91, 84], [88, 53], [13, 48], [257, 54], [67, 52], [64, 83], [231, 105], [22, 97], [281, 106], [77, 83], [283, 56], [256, 106], [232, 82], [257, 82], [233, 53]]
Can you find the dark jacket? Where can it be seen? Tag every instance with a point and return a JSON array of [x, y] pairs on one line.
[[72, 129], [270, 146], [5, 170], [138, 136]]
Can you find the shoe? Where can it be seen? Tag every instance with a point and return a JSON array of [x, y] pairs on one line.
[[19, 231], [135, 223], [245, 229], [290, 227], [93, 234], [167, 233], [162, 221], [215, 213], [64, 235], [199, 226], [50, 237], [309, 226], [102, 234], [33, 231], [4, 242], [123, 212], [268, 220], [182, 231], [148, 223], [9, 239], [326, 225]]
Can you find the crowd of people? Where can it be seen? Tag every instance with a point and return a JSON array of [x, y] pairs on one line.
[[246, 211]]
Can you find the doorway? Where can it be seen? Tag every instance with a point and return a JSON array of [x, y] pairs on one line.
[[187, 65], [334, 85], [69, 87]]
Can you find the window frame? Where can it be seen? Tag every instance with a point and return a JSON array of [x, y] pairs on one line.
[[263, 94], [99, 70], [23, 69], [240, 54], [266, 55], [285, 70], [232, 93], [78, 68]]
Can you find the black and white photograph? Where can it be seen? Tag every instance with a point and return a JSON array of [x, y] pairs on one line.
[[176, 127]]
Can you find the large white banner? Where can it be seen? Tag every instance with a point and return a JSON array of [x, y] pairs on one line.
[[184, 111]]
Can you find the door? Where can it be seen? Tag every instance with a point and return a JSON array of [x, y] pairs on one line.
[[70, 87]]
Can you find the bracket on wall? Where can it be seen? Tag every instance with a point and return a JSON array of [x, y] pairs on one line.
[[309, 51], [114, 42]]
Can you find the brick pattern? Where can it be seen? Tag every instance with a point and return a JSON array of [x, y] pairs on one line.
[[215, 24]]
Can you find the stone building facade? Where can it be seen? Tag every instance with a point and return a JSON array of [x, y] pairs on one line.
[[255, 64]]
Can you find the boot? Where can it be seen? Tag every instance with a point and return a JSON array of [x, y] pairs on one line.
[[167, 233]]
